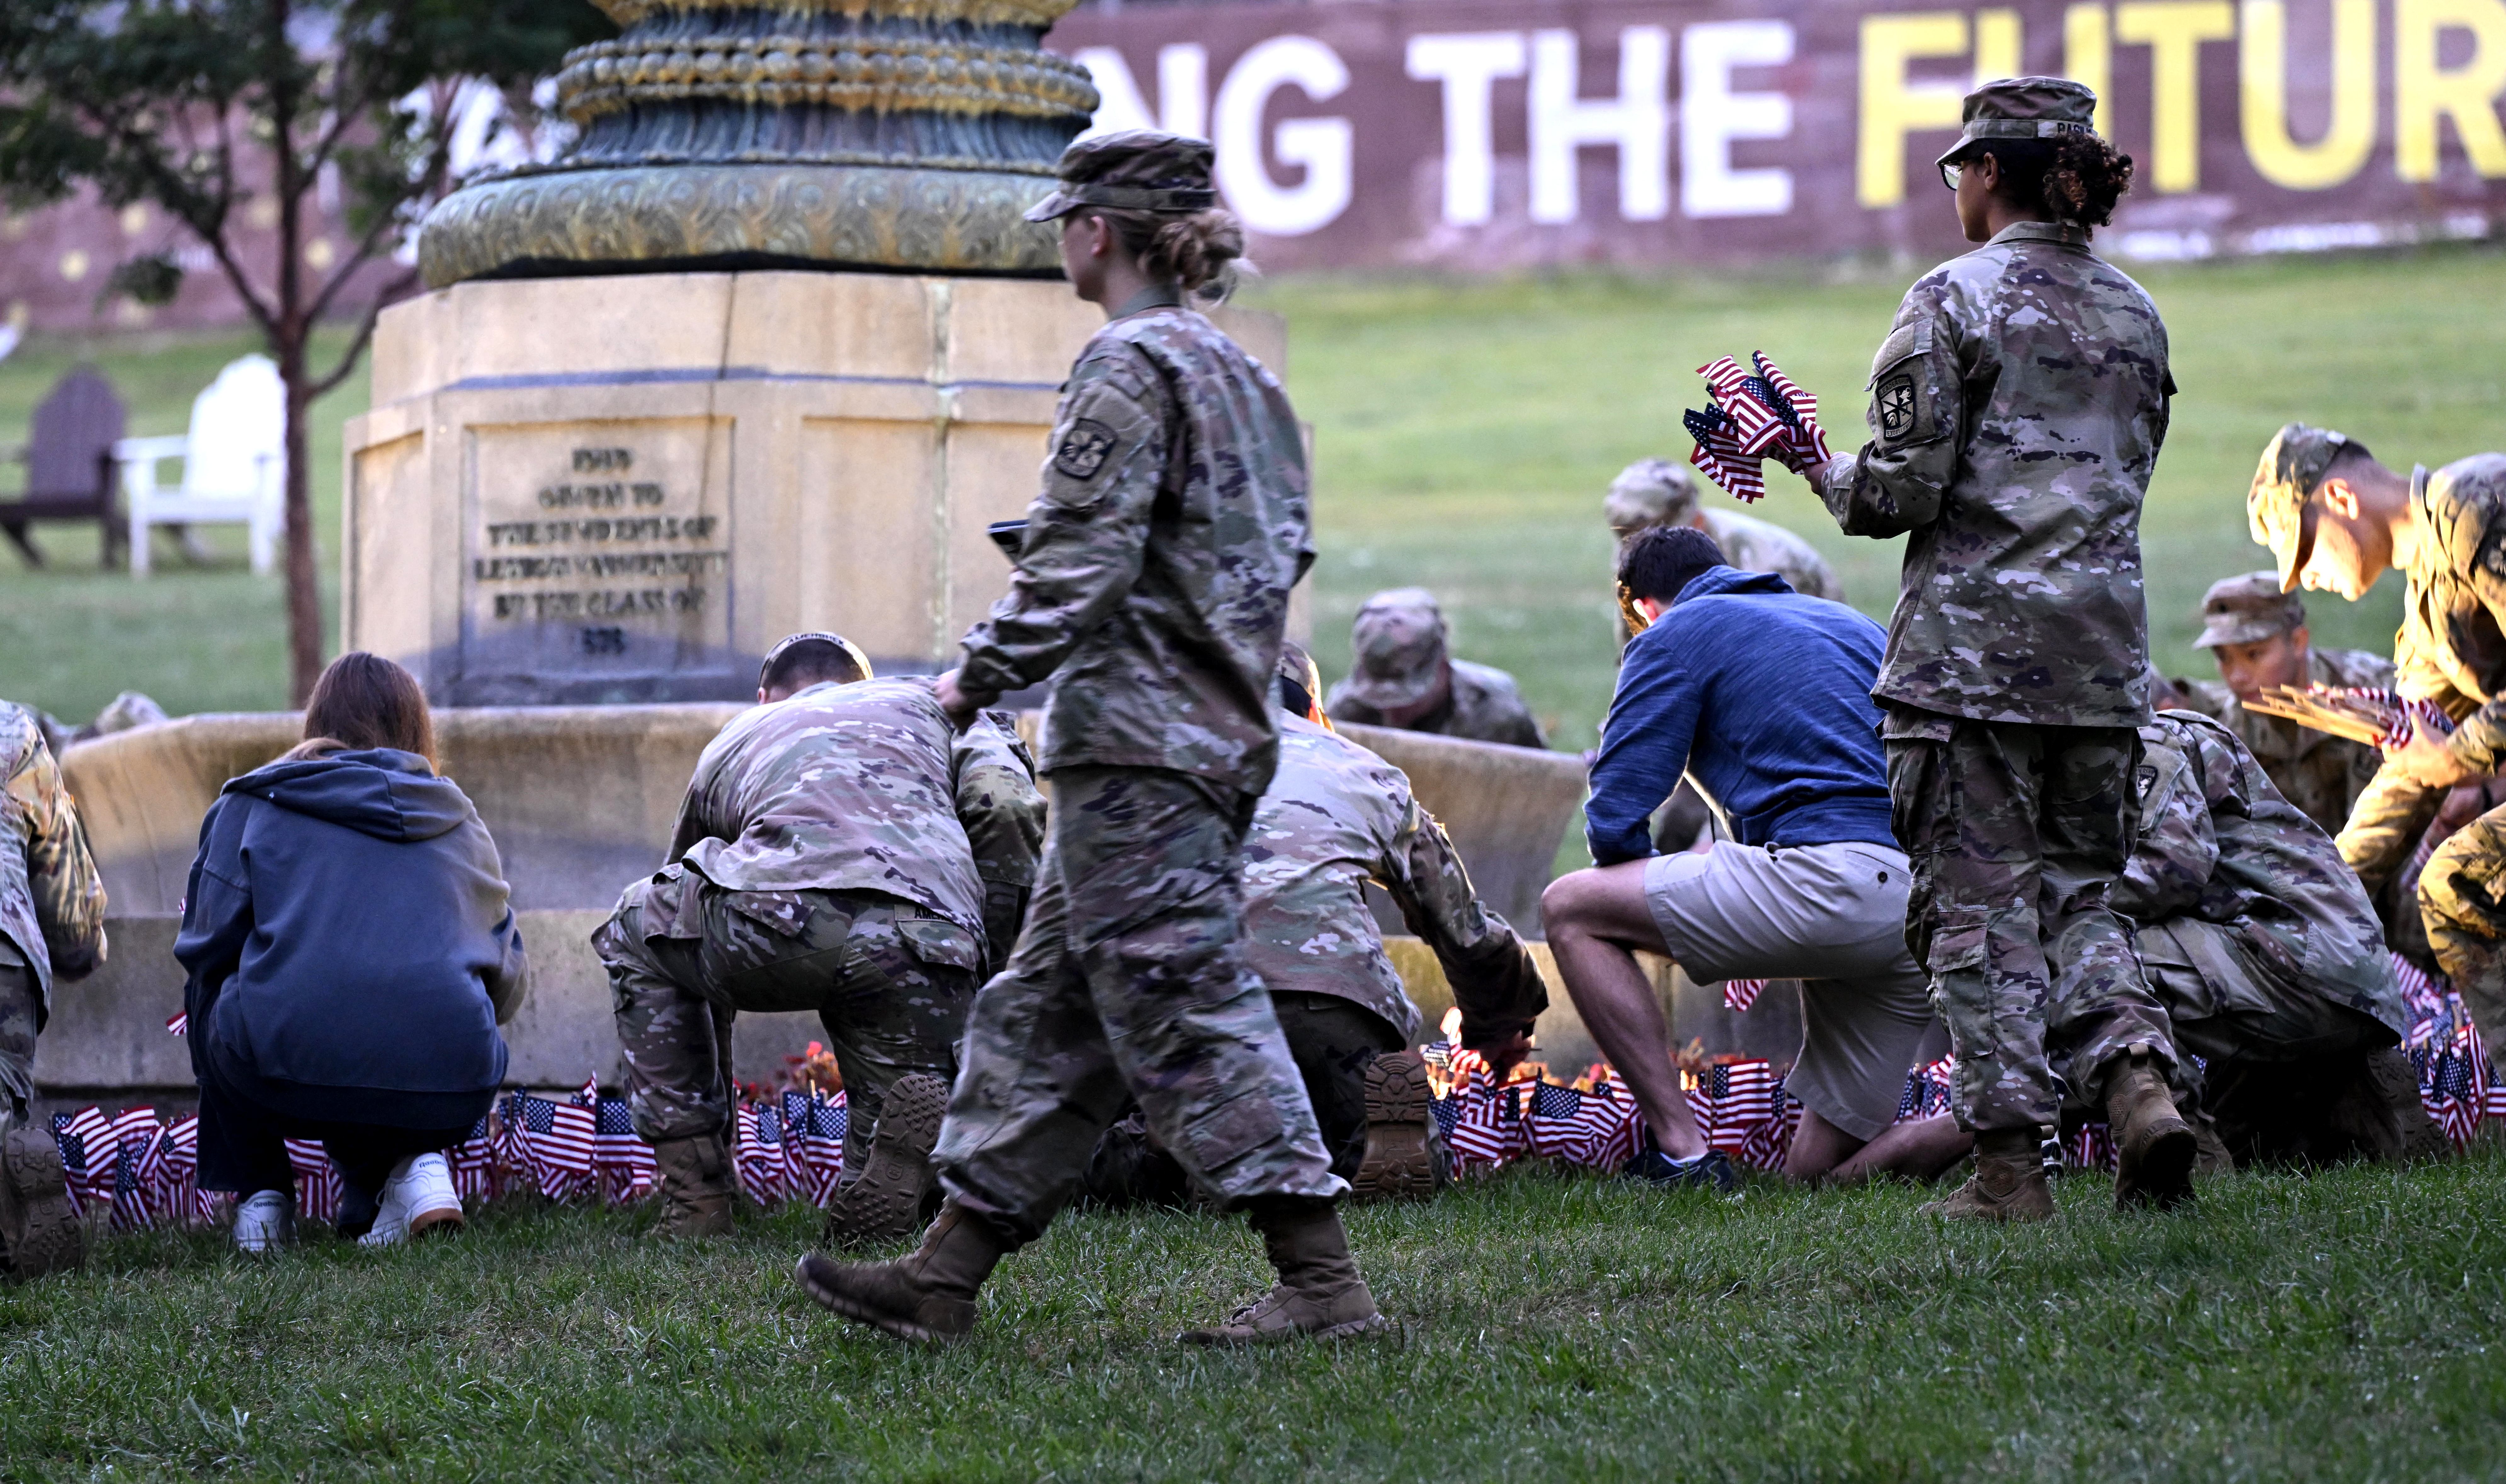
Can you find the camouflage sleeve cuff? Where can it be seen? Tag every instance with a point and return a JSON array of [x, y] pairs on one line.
[[2480, 740]]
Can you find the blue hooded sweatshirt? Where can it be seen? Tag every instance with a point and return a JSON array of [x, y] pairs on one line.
[[1763, 698], [349, 943]]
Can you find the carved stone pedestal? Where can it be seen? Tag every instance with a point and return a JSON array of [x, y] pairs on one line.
[[607, 489]]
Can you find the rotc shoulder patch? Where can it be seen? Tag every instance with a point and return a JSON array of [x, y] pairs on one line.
[[1084, 446], [1896, 404]]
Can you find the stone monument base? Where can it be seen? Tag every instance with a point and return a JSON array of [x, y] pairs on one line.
[[625, 488]]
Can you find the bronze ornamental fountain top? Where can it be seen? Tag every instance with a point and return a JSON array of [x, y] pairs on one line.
[[894, 134]]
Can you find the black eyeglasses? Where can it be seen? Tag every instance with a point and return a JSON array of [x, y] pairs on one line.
[[1951, 170]]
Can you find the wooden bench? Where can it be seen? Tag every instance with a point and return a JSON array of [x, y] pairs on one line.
[[70, 466]]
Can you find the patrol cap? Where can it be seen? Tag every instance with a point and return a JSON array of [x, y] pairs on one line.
[[2292, 466], [2248, 610], [1650, 492], [2024, 108], [1400, 642], [1135, 170], [860, 661]]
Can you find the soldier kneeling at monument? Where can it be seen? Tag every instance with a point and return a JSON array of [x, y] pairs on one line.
[[842, 848], [2261, 955], [1334, 818]]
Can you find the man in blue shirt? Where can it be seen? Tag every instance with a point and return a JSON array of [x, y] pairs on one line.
[[1761, 697]]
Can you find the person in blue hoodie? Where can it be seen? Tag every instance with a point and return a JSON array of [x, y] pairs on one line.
[[1761, 697], [352, 952]]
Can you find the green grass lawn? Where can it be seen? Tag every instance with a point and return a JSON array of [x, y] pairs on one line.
[[2343, 1327], [1465, 431]]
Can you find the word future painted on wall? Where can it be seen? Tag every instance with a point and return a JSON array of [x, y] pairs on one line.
[[1501, 130]]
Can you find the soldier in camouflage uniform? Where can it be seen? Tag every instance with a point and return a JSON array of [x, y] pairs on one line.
[[843, 848], [2016, 411], [52, 927], [1334, 818], [2257, 634], [1652, 492], [2335, 518], [1152, 589], [2261, 955], [1405, 678]]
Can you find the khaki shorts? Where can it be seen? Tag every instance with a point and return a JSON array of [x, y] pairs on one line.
[[1832, 916]]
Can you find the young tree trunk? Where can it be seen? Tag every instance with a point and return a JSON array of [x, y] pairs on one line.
[[304, 583]]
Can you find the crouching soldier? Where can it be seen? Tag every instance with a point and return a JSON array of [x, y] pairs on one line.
[[1334, 818], [2262, 957], [52, 927], [843, 849]]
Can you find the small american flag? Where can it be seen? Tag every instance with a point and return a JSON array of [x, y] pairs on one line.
[[1739, 994], [1717, 453], [1798, 410], [179, 1023], [757, 1155], [473, 1164], [624, 1161], [1486, 1129], [1755, 428], [89, 1155], [813, 1144], [317, 1181], [559, 1139]]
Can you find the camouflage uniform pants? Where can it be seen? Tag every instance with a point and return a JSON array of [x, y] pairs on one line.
[[2202, 992], [20, 1007], [2462, 901], [890, 983], [2013, 833], [1130, 979]]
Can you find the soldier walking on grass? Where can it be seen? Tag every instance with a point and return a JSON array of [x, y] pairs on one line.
[[52, 928], [2017, 410], [843, 848], [2335, 518], [1153, 589]]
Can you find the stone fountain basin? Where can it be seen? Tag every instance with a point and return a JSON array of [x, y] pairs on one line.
[[582, 800]]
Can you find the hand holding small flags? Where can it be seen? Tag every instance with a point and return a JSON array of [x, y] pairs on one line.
[[1748, 419]]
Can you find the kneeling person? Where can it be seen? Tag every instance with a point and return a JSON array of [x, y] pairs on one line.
[[843, 849], [1761, 697], [1335, 817]]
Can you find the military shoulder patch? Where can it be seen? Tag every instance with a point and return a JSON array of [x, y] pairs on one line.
[[1085, 445], [1896, 404]]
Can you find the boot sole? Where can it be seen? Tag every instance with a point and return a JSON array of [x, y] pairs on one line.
[[1238, 1339], [886, 1204], [844, 1304], [53, 1240], [449, 1220], [2163, 1175], [1398, 1164]]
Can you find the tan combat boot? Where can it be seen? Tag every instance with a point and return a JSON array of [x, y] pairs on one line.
[[695, 1187], [926, 1296], [1399, 1161], [1319, 1293], [2379, 1114], [39, 1232], [2007, 1184], [2212, 1158], [2154, 1146], [885, 1203]]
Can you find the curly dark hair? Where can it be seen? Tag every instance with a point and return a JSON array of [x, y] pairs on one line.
[[1200, 252], [2074, 178]]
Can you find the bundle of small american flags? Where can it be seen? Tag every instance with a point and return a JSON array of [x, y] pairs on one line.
[[1749, 418], [579, 1149]]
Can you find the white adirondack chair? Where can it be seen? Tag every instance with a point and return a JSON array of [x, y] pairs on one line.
[[235, 464]]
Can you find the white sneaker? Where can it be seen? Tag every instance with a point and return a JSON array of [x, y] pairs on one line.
[[418, 1198], [264, 1221]]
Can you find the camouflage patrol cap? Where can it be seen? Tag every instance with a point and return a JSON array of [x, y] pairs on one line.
[[1135, 170], [2292, 466], [1650, 492], [774, 656], [1400, 643], [2024, 108], [2248, 610]]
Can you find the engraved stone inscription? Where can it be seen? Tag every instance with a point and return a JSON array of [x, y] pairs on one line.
[[595, 551]]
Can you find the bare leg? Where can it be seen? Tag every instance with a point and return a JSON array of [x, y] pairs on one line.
[[1596, 920], [1818, 1148], [1919, 1150]]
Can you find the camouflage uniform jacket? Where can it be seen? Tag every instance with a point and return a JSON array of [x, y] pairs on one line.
[[867, 787], [2450, 649], [2321, 773], [2218, 843], [52, 901], [2016, 411], [1752, 545], [1335, 817], [1482, 703], [1153, 586]]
